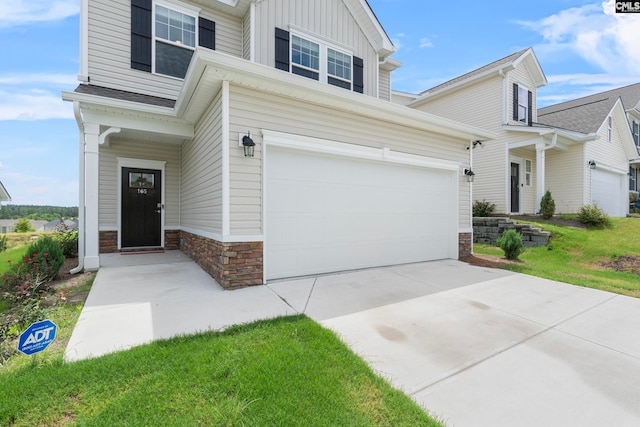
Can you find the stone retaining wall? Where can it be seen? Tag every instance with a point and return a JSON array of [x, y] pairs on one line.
[[489, 230]]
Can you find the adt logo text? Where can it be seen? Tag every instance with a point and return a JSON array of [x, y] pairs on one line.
[[628, 7], [37, 337]]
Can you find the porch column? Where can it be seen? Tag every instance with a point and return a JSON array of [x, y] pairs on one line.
[[540, 172], [91, 166]]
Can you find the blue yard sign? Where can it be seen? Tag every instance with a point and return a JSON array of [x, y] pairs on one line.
[[37, 337]]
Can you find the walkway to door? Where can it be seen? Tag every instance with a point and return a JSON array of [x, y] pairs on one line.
[[476, 346]]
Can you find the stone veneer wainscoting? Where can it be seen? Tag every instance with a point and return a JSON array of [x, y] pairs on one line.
[[233, 265], [109, 241], [464, 244]]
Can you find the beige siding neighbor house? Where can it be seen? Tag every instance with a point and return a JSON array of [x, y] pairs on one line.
[[259, 138], [534, 150]]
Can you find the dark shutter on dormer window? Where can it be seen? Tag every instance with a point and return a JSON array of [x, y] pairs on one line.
[[282, 49], [207, 33], [358, 75], [530, 108], [141, 35], [515, 102]]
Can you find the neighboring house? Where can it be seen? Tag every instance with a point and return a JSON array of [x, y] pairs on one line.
[[606, 114], [532, 153], [7, 225], [259, 138], [58, 225], [4, 195]]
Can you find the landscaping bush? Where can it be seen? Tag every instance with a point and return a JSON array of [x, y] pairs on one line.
[[483, 208], [47, 254], [593, 216], [23, 226], [3, 243], [68, 242], [511, 244], [547, 205]]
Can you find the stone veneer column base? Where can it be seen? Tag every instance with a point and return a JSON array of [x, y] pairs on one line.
[[234, 265], [171, 240], [108, 242], [465, 247]]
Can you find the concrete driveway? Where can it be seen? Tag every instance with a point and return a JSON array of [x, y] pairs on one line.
[[475, 346]]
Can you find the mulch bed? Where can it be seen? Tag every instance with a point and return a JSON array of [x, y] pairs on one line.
[[490, 261], [626, 264]]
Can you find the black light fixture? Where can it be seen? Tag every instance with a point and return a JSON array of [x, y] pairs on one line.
[[475, 144], [469, 174], [248, 145], [592, 164]]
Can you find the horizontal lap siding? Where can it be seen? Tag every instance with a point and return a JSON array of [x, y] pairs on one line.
[[251, 110], [611, 153], [202, 174], [565, 177], [144, 151], [110, 49], [310, 15], [480, 105]]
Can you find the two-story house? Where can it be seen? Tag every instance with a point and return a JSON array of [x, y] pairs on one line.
[[531, 153], [4, 194], [258, 137]]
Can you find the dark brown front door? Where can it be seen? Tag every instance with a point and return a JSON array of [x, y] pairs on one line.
[[515, 187], [141, 207]]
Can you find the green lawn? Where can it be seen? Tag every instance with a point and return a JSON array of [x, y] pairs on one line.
[[13, 254], [283, 372], [579, 256]]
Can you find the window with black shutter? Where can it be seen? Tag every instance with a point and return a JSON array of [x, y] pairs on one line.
[[163, 39], [522, 104]]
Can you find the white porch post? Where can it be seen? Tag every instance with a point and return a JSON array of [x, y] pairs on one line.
[[540, 172], [91, 160]]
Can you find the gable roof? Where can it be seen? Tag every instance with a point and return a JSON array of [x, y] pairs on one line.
[[507, 63], [4, 194], [587, 114]]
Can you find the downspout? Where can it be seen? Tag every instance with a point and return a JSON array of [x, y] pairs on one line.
[[81, 207], [471, 146]]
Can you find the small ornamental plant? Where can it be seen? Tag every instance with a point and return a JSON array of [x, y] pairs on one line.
[[547, 205], [511, 244]]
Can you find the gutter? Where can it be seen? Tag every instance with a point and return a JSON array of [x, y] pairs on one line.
[[81, 208]]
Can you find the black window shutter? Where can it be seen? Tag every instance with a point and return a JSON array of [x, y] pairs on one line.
[[358, 75], [207, 33], [141, 35], [515, 102], [530, 108], [282, 49]]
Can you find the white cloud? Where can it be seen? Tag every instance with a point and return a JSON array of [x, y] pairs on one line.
[[34, 105], [20, 12], [425, 42], [594, 32]]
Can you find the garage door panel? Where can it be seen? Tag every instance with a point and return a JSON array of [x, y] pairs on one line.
[[330, 213], [608, 192]]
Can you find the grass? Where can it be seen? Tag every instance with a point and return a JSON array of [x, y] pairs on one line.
[[283, 372], [578, 256], [13, 255]]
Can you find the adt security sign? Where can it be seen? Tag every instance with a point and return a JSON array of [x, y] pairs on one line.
[[37, 337]]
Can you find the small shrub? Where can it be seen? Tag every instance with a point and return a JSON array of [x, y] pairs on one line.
[[23, 226], [593, 216], [483, 208], [47, 253], [68, 242], [3, 243], [547, 205], [511, 244]]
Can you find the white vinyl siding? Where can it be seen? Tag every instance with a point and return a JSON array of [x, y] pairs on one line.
[[309, 15], [202, 174], [169, 153], [110, 48], [565, 177], [610, 153], [252, 110], [522, 78], [385, 85]]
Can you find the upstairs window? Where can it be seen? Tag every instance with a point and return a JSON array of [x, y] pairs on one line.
[[175, 34], [319, 61], [522, 105], [636, 133], [164, 36]]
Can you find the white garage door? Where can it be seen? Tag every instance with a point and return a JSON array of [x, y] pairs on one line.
[[608, 192], [327, 213]]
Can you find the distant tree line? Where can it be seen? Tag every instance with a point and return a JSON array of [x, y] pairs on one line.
[[47, 213]]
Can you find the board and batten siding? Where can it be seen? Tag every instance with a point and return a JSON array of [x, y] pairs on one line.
[[565, 177], [252, 111], [311, 16], [201, 189], [108, 181], [109, 48]]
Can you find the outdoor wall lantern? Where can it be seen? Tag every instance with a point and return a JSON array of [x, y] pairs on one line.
[[248, 145], [469, 174], [592, 164]]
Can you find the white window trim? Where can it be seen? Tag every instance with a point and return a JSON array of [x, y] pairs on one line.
[[635, 132], [528, 174], [526, 103], [324, 44], [185, 9]]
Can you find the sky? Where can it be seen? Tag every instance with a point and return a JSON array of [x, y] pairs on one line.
[[583, 47]]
